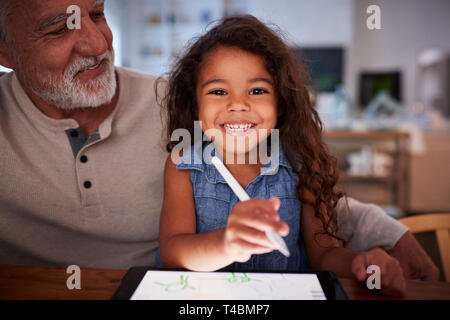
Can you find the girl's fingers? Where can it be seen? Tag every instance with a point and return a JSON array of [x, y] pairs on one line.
[[259, 214], [275, 203], [260, 222], [243, 250], [283, 230], [258, 206], [253, 236]]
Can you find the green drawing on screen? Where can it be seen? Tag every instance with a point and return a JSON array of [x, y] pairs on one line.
[[180, 285], [183, 283], [245, 278]]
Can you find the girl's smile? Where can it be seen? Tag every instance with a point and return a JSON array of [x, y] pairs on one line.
[[238, 127]]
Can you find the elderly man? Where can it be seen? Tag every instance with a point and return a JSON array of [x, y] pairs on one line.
[[82, 159]]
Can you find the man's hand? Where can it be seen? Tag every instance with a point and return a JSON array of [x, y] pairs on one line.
[[392, 278], [415, 262]]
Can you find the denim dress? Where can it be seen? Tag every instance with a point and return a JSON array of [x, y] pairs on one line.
[[214, 201]]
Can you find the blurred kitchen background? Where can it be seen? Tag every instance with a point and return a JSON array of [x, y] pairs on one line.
[[383, 95]]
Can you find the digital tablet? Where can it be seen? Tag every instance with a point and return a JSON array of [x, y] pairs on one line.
[[141, 283]]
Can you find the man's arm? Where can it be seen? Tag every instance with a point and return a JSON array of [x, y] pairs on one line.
[[414, 260], [365, 226]]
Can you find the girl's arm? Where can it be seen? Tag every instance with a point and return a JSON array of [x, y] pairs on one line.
[[323, 250], [179, 244], [181, 247], [324, 253]]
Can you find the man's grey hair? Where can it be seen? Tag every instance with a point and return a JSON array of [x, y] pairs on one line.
[[5, 10]]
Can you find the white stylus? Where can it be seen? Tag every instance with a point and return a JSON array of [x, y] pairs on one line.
[[274, 237]]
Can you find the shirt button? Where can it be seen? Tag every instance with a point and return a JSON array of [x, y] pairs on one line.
[[74, 134], [84, 159], [87, 184]]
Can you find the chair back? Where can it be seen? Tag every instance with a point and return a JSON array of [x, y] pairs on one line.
[[440, 224]]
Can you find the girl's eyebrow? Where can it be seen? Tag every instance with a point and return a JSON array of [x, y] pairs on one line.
[[212, 81], [261, 79], [250, 81]]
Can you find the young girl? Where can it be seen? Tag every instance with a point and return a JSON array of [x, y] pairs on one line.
[[239, 78]]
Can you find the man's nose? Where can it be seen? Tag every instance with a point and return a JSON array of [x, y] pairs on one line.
[[91, 41]]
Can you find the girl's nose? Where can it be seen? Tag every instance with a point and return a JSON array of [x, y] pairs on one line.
[[238, 107]]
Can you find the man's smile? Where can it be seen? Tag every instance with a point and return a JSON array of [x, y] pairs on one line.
[[92, 71]]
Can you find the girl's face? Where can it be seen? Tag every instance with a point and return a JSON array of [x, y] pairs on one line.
[[236, 99]]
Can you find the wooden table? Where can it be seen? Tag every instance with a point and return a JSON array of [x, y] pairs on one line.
[[31, 282]]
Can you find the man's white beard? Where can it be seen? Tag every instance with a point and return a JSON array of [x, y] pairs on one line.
[[70, 93]]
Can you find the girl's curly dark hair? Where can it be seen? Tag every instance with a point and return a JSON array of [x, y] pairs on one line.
[[299, 125]]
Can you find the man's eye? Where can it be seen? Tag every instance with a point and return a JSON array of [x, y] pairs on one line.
[[59, 31], [218, 92], [99, 15], [258, 91]]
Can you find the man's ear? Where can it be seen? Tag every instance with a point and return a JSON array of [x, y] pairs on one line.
[[5, 55]]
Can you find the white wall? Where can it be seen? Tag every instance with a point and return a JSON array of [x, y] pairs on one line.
[[408, 26], [309, 23], [305, 22], [114, 11]]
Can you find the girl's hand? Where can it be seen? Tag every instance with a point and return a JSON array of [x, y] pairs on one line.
[[245, 231], [391, 278]]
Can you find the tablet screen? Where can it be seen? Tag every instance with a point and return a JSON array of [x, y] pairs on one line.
[[185, 285]]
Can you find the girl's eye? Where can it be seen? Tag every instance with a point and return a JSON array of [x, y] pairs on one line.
[[258, 91], [218, 92]]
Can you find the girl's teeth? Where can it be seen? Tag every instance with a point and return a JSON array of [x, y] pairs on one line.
[[238, 127]]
